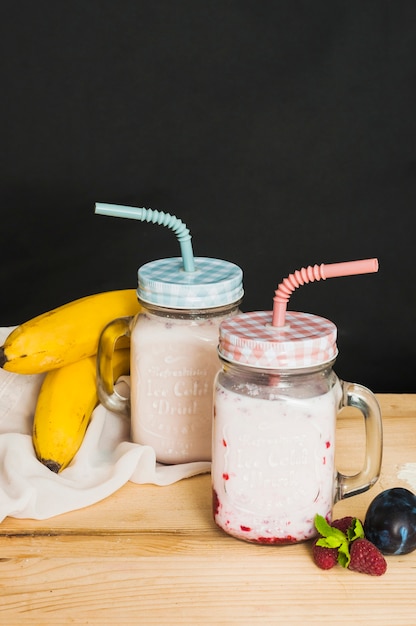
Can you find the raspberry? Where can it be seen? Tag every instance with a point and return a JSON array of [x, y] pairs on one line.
[[366, 558], [325, 558], [343, 523]]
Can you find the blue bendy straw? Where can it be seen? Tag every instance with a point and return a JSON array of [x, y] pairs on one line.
[[156, 217]]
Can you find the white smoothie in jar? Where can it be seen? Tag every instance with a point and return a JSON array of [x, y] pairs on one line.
[[276, 403], [174, 363], [273, 463]]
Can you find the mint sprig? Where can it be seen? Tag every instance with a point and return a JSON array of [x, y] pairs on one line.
[[334, 538]]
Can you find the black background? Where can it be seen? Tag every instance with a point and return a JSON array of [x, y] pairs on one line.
[[282, 133]]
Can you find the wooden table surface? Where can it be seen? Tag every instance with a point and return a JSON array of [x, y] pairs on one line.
[[153, 555]]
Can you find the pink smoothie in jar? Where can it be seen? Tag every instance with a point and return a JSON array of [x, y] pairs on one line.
[[174, 363], [174, 357], [173, 345]]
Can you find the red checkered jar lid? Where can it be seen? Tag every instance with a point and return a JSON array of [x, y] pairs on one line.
[[249, 339]]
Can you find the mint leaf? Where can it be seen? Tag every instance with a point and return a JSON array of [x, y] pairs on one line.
[[334, 538], [355, 531], [344, 555], [322, 526], [328, 531], [330, 542]]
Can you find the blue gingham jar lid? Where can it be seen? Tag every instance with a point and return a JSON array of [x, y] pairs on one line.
[[214, 283]]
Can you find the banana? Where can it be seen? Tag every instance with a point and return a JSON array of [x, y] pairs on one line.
[[65, 334], [66, 400]]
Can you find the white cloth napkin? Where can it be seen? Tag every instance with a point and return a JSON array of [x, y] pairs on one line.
[[106, 460]]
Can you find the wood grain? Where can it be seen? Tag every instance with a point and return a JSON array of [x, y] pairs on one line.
[[152, 555]]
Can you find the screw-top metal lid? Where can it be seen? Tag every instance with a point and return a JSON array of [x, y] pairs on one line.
[[305, 340], [214, 283]]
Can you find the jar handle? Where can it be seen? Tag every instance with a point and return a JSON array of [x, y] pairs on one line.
[[358, 396], [112, 333]]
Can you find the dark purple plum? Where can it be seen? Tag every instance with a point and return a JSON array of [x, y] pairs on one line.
[[390, 521]]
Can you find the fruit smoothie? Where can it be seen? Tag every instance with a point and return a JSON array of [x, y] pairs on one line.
[[273, 464], [174, 363]]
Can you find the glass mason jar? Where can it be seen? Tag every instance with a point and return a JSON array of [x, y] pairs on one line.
[[173, 355], [276, 402]]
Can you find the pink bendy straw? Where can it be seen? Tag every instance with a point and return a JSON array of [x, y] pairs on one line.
[[312, 273]]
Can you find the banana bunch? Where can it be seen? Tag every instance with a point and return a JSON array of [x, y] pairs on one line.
[[63, 343]]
